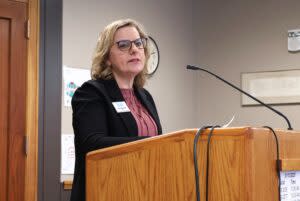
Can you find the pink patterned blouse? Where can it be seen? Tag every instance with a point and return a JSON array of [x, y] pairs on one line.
[[145, 123]]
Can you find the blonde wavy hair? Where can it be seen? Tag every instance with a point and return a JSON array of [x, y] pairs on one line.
[[100, 69]]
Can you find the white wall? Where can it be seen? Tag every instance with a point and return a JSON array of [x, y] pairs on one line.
[[243, 36], [228, 37], [169, 22]]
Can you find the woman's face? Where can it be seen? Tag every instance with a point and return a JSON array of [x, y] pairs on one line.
[[126, 63]]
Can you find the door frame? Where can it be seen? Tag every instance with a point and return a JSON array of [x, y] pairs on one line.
[[50, 74], [31, 171]]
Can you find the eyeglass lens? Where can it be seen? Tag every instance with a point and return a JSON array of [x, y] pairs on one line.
[[126, 44]]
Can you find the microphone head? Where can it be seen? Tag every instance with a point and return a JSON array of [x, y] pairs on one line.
[[192, 67]]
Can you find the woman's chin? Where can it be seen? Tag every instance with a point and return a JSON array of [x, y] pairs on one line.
[[136, 69]]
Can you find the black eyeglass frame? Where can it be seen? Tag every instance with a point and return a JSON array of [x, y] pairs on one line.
[[143, 41]]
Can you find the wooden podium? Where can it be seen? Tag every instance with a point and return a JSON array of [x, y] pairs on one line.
[[242, 166]]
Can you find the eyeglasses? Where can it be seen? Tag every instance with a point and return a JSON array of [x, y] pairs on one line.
[[125, 45]]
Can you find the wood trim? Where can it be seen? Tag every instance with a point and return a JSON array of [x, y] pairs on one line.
[[31, 182], [23, 1], [126, 148], [68, 184], [289, 164]]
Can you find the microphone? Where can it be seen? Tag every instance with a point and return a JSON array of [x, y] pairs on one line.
[[190, 67]]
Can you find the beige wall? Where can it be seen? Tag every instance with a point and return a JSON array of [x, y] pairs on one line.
[[169, 22], [243, 36], [228, 37]]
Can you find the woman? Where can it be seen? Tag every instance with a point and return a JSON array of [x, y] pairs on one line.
[[113, 108]]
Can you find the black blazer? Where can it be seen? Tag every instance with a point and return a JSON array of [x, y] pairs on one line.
[[97, 125]]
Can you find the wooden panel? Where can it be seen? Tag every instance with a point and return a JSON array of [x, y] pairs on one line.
[[263, 173], [289, 144], [17, 103], [13, 1], [24, 1], [141, 172], [226, 172], [161, 168], [242, 166], [290, 165], [4, 63], [15, 14], [264, 156]]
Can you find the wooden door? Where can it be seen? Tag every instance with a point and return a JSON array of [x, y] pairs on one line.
[[13, 63]]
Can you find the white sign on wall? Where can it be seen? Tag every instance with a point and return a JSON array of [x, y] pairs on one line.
[[294, 40]]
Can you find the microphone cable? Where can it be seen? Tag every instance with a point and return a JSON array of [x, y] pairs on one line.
[[208, 156], [196, 161], [277, 159], [207, 160]]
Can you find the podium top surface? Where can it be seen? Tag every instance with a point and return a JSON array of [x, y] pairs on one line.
[[180, 136]]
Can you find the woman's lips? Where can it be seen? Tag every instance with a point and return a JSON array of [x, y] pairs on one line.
[[134, 60]]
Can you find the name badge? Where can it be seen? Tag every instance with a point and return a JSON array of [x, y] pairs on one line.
[[120, 106]]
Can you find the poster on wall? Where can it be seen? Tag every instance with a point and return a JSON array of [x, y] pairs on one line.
[[72, 79], [67, 154]]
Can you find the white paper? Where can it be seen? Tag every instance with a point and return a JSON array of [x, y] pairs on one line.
[[290, 185], [294, 40], [275, 87], [73, 78], [67, 154], [228, 124]]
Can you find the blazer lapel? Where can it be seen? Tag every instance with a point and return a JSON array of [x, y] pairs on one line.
[[115, 94]]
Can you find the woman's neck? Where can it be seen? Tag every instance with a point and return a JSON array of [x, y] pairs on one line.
[[124, 83]]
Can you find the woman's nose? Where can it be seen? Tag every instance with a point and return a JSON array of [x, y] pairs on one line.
[[133, 48]]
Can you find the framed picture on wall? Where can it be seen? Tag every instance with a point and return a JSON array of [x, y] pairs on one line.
[[272, 87]]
